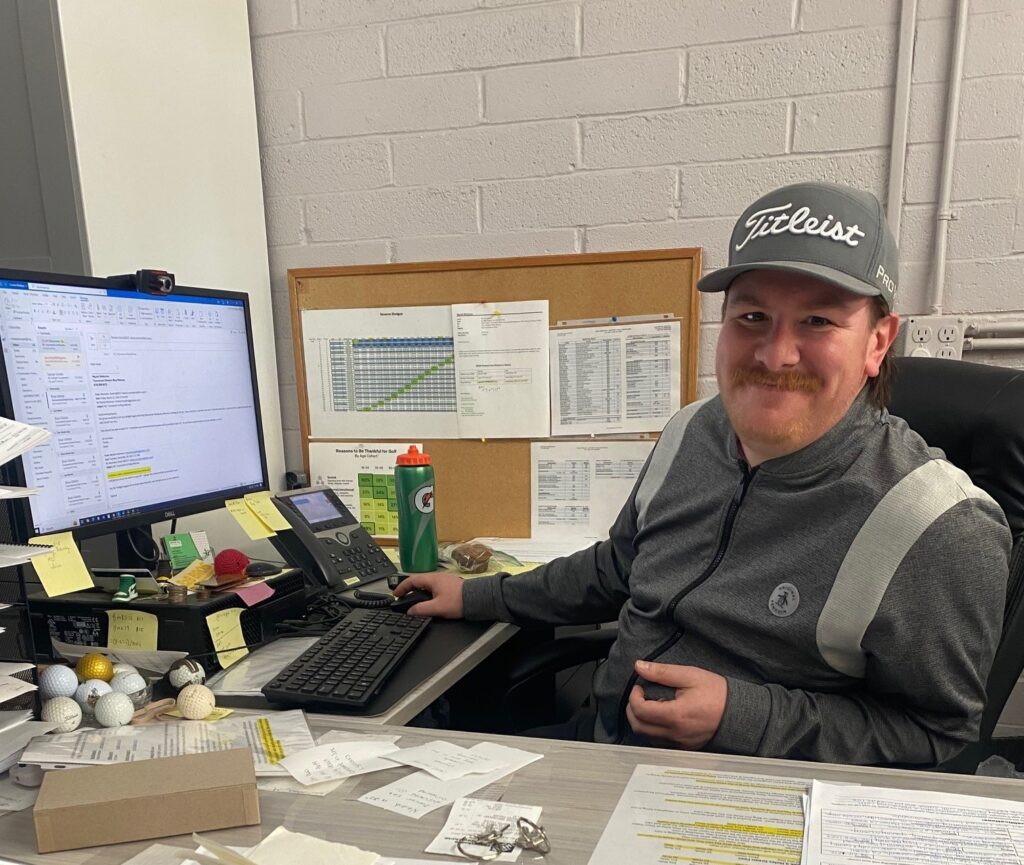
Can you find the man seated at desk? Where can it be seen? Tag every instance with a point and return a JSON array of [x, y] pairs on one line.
[[795, 574]]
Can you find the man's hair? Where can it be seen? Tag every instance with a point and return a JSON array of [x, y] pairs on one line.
[[879, 388]]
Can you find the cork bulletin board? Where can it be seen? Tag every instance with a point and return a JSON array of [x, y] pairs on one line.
[[483, 486]]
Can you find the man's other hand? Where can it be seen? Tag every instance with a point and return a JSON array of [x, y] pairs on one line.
[[446, 588], [691, 718]]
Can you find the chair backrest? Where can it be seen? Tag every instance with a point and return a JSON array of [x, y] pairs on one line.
[[975, 414]]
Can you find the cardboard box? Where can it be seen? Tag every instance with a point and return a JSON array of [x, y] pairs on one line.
[[108, 804]]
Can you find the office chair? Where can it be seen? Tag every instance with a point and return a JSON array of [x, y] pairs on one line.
[[975, 414]]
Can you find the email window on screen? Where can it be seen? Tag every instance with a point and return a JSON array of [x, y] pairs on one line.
[[149, 398]]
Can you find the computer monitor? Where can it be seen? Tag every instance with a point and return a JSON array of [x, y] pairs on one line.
[[151, 399]]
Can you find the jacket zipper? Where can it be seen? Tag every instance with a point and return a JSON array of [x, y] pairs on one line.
[[723, 543]]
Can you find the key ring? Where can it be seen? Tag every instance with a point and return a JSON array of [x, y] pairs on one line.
[[530, 837], [489, 839]]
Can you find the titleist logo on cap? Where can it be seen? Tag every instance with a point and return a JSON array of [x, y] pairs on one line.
[[779, 220]]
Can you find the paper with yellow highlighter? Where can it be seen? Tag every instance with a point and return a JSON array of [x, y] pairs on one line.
[[61, 570], [668, 814]]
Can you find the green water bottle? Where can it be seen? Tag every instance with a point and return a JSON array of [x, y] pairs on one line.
[[417, 532]]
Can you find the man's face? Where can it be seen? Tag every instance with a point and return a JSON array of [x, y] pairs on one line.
[[793, 354]]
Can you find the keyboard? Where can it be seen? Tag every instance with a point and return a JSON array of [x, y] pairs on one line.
[[348, 665]]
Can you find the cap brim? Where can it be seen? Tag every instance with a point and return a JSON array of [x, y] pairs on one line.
[[722, 278]]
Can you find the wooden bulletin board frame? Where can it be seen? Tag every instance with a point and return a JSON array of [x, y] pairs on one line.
[[483, 487]]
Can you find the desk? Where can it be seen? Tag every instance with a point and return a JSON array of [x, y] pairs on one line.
[[431, 680], [577, 784]]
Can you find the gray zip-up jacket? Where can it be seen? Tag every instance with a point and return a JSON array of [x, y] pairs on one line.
[[851, 593]]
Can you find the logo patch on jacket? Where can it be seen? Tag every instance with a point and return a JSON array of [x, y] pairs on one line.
[[784, 600]]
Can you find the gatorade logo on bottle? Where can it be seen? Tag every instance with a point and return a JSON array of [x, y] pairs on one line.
[[423, 499]]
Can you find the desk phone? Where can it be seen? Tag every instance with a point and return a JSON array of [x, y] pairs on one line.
[[327, 541]]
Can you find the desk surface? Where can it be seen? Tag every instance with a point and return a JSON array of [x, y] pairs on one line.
[[577, 785]]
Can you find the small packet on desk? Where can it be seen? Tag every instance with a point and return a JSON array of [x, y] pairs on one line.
[[197, 572], [469, 558]]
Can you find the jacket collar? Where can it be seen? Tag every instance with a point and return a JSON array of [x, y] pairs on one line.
[[837, 446]]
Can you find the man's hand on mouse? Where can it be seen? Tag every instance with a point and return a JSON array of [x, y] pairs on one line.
[[446, 588], [692, 717]]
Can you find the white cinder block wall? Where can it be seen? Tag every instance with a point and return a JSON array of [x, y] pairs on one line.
[[399, 130]]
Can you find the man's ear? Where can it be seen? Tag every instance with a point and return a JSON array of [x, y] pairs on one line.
[[883, 335]]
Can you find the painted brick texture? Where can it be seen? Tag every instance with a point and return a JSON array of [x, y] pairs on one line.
[[399, 131]]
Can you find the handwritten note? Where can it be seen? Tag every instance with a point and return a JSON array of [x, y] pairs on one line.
[[446, 760], [131, 629], [251, 524], [339, 760], [264, 508], [61, 570], [419, 793], [226, 632]]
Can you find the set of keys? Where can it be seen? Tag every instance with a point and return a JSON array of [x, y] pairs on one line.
[[491, 843]]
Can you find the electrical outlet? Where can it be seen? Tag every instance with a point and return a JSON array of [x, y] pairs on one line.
[[934, 336]]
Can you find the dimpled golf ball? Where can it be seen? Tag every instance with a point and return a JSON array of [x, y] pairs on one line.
[[133, 685], [127, 683], [121, 667], [64, 712], [94, 666], [114, 710], [195, 702], [89, 692], [57, 681], [186, 672]]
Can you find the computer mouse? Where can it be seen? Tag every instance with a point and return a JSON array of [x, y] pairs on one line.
[[416, 596], [261, 569]]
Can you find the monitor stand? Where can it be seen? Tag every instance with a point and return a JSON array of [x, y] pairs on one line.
[[115, 550]]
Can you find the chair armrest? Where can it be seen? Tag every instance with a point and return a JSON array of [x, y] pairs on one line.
[[562, 653]]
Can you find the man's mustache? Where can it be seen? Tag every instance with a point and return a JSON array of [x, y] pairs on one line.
[[796, 381]]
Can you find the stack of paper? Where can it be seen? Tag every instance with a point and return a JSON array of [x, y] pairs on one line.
[[15, 439], [18, 438], [16, 729]]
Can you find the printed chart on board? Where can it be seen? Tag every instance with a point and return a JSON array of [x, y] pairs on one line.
[[381, 373]]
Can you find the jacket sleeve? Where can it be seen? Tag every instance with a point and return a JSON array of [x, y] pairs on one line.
[[929, 649], [588, 587]]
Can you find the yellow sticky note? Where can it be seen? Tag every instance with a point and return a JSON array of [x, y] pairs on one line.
[[132, 629], [261, 505], [61, 570], [253, 526], [226, 631]]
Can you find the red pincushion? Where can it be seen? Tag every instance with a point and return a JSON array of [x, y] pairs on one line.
[[230, 562]]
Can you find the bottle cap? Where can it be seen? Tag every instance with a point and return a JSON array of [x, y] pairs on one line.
[[413, 457]]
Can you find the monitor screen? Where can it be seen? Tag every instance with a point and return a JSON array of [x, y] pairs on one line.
[[151, 400]]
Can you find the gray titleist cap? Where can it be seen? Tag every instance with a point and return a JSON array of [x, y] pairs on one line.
[[835, 233]]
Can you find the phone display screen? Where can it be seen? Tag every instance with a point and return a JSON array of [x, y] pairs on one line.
[[316, 508]]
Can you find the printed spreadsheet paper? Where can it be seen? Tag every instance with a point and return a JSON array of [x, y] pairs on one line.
[[681, 815], [270, 737], [578, 488], [614, 378], [380, 373]]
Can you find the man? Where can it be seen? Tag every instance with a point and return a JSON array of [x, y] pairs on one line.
[[795, 573]]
